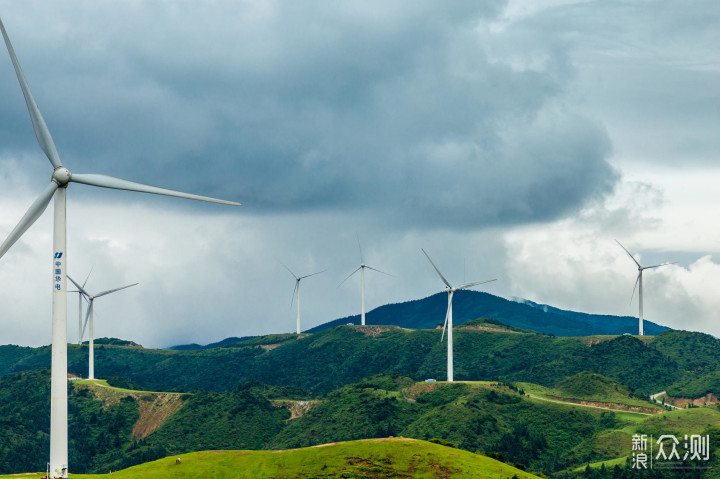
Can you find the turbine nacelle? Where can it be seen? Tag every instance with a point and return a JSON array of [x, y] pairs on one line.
[[61, 176]]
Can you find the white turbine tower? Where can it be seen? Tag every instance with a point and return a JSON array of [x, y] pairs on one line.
[[362, 268], [89, 322], [448, 316], [297, 291], [60, 179], [638, 282]]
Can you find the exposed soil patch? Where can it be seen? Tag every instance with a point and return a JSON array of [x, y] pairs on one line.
[[374, 331], [358, 461], [412, 393], [593, 340], [709, 398], [297, 408], [483, 327], [153, 414], [154, 408], [441, 472]]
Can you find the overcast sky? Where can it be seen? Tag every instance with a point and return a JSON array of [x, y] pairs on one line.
[[512, 140]]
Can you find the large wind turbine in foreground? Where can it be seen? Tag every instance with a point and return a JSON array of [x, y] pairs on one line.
[[361, 268], [297, 291], [638, 282], [60, 179], [89, 322], [448, 316]]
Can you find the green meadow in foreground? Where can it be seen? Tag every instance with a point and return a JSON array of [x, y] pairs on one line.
[[372, 458]]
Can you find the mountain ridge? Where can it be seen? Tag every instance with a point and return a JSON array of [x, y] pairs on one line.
[[428, 312]]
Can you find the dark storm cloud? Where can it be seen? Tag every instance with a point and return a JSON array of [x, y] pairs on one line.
[[401, 111]]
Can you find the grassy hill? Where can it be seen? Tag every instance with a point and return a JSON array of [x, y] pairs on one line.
[[594, 389], [374, 458]]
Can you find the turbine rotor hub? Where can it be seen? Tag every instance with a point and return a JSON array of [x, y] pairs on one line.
[[61, 176]]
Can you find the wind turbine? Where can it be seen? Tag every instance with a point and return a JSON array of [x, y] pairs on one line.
[[81, 296], [361, 268], [60, 179], [89, 321], [448, 316], [638, 282], [297, 291]]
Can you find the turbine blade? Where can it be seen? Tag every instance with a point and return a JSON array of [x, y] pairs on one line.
[[292, 300], [658, 265], [88, 276], [362, 260], [113, 290], [106, 181], [41, 130], [87, 318], [447, 314], [289, 270], [628, 252], [634, 287], [436, 269], [80, 288], [32, 214], [349, 276], [308, 275], [465, 286], [383, 272]]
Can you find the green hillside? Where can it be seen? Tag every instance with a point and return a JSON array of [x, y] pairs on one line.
[[594, 389], [375, 458], [590, 386], [115, 428], [330, 359], [354, 382]]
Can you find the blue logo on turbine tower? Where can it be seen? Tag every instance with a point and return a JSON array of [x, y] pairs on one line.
[[58, 255]]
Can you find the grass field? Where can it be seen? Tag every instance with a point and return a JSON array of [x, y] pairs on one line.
[[104, 383], [681, 421], [372, 458], [615, 399]]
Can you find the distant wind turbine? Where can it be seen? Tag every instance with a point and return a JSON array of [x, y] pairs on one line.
[[296, 291], [89, 322], [60, 179], [448, 316], [638, 282], [81, 296], [361, 268]]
